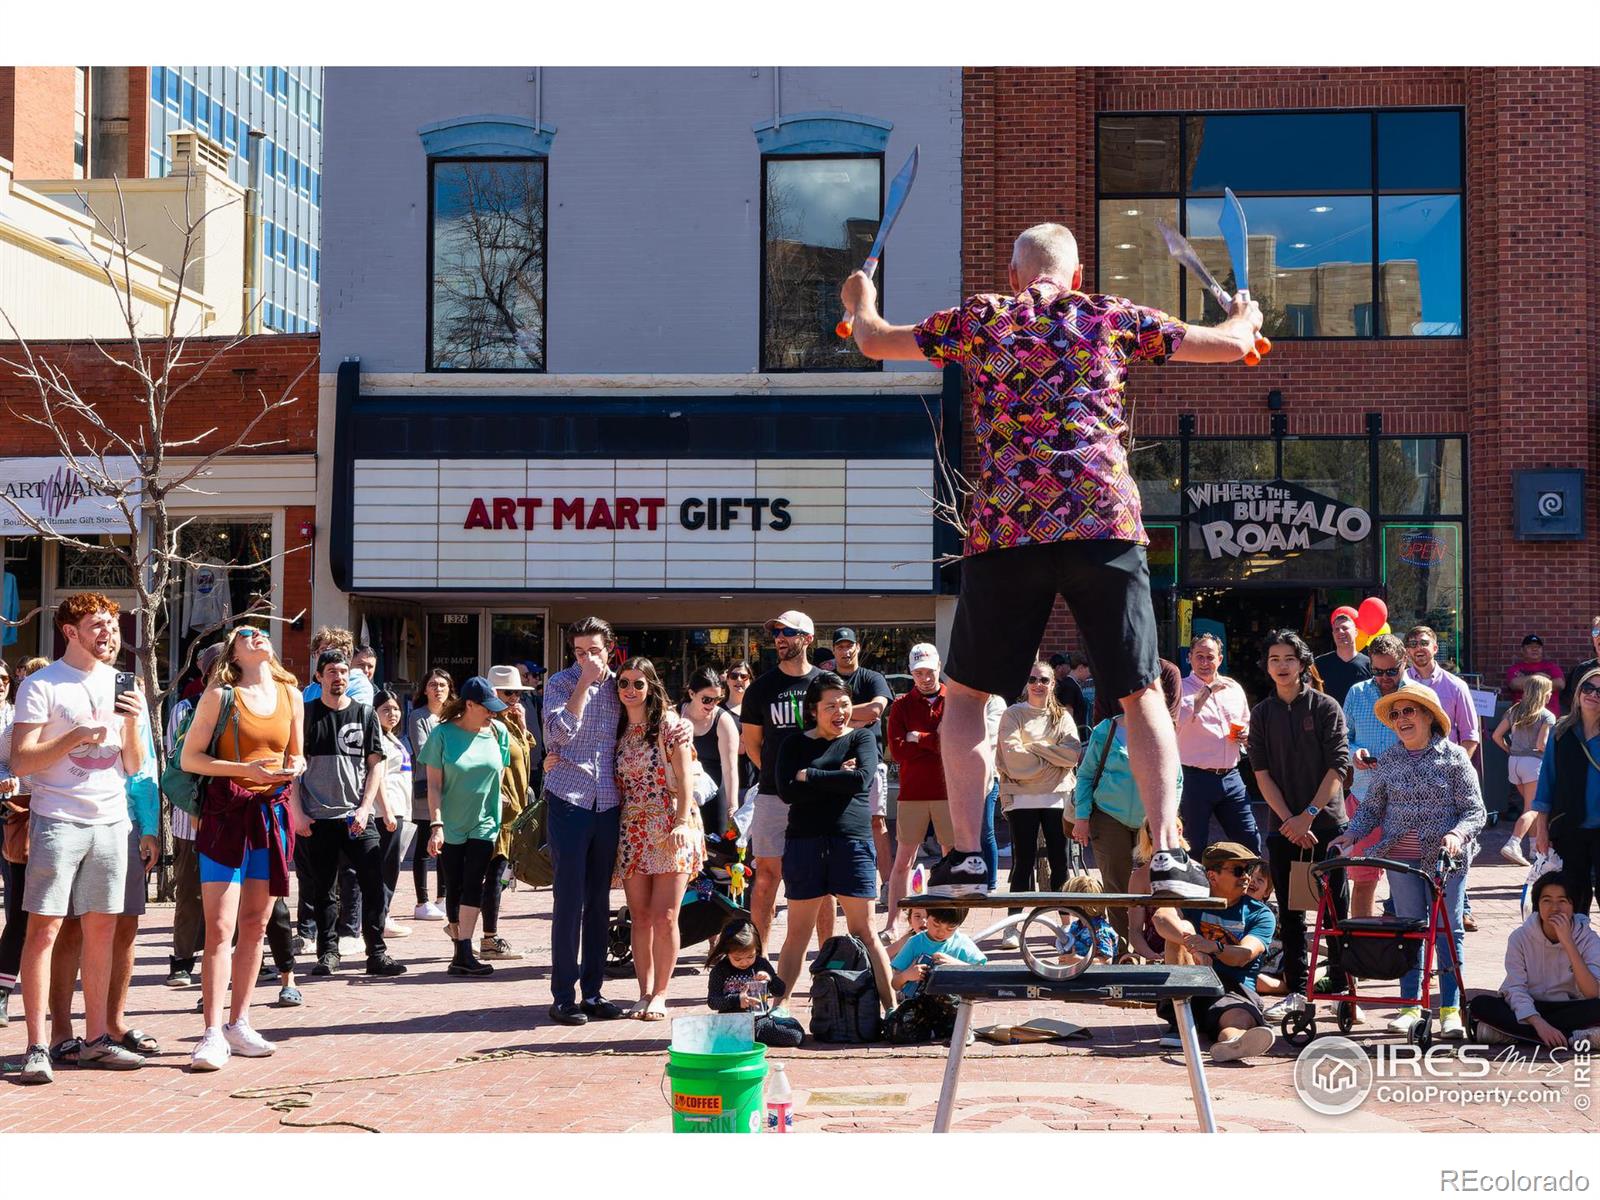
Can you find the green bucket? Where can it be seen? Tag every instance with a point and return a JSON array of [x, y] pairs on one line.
[[717, 1093]]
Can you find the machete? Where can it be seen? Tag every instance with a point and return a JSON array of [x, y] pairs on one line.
[[1237, 235], [1183, 253], [899, 189]]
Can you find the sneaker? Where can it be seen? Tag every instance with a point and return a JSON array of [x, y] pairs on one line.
[[36, 1066], [1404, 1021], [1450, 1025], [106, 1055], [392, 930], [245, 1041], [1171, 1041], [1293, 1002], [1512, 853], [495, 946], [1590, 1035], [1256, 1040], [465, 963], [1488, 1035], [327, 964], [385, 966], [961, 873], [297, 947], [1010, 941], [5, 1007], [428, 912], [1174, 873], [350, 947], [212, 1053], [179, 976]]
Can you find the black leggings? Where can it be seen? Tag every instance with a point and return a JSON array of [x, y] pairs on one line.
[[1025, 825], [464, 867], [16, 931], [491, 895], [419, 864]]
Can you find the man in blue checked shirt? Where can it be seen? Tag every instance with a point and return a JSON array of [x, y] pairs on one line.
[[1369, 738]]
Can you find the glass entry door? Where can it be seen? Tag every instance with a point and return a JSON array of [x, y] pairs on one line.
[[517, 637], [453, 643]]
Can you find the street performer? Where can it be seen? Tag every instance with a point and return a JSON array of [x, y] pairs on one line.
[[1054, 510]]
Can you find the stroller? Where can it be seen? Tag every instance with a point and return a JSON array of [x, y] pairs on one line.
[[1376, 948], [708, 902]]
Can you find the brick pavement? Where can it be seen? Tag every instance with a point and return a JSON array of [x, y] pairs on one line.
[[360, 1038]]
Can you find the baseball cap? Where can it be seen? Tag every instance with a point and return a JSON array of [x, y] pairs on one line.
[[479, 691], [1225, 852], [533, 668], [1344, 610], [1533, 639], [792, 620], [208, 658], [924, 654], [844, 634]]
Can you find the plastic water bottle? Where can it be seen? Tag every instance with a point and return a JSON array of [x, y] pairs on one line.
[[780, 1101]]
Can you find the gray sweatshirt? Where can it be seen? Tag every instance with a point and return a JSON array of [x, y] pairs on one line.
[[1539, 969]]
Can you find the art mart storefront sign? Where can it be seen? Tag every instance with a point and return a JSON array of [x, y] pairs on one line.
[[1277, 518], [53, 494], [704, 524]]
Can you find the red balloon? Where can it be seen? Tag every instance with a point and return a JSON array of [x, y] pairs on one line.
[[1372, 615]]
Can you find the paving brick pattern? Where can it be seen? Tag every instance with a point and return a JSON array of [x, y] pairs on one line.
[[430, 1053]]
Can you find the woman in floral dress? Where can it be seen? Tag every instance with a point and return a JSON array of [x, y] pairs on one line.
[[663, 842]]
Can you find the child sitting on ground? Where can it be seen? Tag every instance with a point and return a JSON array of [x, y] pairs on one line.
[[916, 922], [941, 944], [742, 980], [1079, 940]]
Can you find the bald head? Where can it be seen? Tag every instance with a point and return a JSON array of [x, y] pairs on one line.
[[1046, 249]]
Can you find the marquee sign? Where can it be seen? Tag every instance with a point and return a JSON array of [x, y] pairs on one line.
[[1279, 518], [671, 524]]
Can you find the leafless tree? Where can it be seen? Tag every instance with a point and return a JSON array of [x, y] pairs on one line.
[[91, 433]]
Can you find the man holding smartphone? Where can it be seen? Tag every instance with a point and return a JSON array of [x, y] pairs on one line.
[[340, 786], [78, 740]]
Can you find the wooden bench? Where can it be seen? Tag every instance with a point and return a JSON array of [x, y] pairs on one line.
[[969, 986]]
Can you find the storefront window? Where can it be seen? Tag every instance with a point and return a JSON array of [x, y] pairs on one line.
[[453, 644], [1133, 258], [88, 571], [1158, 468], [23, 592], [1422, 578], [1230, 461], [516, 637], [1334, 467], [1420, 477], [227, 575]]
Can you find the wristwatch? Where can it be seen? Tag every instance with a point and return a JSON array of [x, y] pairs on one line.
[[1313, 810]]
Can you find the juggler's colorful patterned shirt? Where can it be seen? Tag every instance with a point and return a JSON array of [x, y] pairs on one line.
[[1047, 368]]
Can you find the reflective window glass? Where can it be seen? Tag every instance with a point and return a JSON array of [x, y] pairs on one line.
[[1332, 467], [1419, 151], [1420, 476], [1419, 265], [1280, 152], [1133, 258], [1138, 154], [1156, 466], [1422, 581]]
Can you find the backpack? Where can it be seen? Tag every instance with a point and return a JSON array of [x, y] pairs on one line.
[[844, 994], [180, 787], [920, 1019]]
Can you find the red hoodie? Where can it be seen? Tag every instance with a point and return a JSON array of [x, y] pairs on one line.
[[921, 769]]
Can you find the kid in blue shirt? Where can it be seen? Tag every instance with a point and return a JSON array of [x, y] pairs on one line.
[[941, 944]]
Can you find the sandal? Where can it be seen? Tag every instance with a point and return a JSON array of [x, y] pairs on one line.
[[289, 996], [139, 1042], [654, 1014], [65, 1052]]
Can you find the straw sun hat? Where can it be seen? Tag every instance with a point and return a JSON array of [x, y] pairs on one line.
[[1416, 693]]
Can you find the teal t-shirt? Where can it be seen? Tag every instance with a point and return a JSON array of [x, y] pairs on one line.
[[469, 798], [922, 948]]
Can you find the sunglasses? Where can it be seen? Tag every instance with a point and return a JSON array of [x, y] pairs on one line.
[[1386, 672], [1589, 689], [1040, 679], [251, 634], [786, 631], [1235, 870], [708, 701], [630, 685], [1405, 710], [738, 676]]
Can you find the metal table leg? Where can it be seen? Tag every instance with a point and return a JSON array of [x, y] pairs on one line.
[[1191, 1059], [952, 1067]]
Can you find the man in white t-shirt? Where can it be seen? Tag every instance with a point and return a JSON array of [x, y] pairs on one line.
[[77, 739]]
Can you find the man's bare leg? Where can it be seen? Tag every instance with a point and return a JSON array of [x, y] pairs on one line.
[[64, 963], [1153, 756], [969, 759], [764, 896]]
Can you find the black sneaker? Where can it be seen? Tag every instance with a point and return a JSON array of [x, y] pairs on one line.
[[326, 965], [382, 964], [467, 963], [1174, 873], [960, 873], [179, 975]]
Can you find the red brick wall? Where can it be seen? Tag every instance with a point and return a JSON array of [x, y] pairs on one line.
[[138, 165], [1521, 384], [36, 108], [223, 397]]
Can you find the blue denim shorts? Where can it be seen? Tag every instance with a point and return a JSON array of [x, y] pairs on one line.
[[814, 867]]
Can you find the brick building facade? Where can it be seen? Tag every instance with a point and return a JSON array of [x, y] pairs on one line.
[[1518, 383], [262, 499]]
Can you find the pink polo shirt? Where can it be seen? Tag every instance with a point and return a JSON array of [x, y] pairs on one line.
[[1205, 714]]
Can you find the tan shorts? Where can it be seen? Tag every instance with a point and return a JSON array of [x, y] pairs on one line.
[[912, 817]]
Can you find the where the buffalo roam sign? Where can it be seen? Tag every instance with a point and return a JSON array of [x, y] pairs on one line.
[[1277, 518]]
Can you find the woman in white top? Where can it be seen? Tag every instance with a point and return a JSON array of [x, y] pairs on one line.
[[1522, 734], [394, 804], [1037, 750]]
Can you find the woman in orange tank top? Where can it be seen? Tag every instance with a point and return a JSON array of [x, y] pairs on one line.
[[248, 814]]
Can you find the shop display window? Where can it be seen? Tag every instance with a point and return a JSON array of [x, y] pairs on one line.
[[1422, 577]]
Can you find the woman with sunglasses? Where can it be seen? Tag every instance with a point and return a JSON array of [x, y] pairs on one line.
[[438, 689], [1425, 797], [249, 815], [736, 679], [1568, 796], [1037, 748], [663, 843], [466, 756], [716, 745]]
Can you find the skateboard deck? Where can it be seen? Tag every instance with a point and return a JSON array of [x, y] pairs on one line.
[[1060, 900]]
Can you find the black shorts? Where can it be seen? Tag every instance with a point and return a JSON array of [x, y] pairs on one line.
[[1006, 598], [814, 867], [1208, 1013]]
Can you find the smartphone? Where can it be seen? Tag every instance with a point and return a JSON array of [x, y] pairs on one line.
[[124, 683]]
